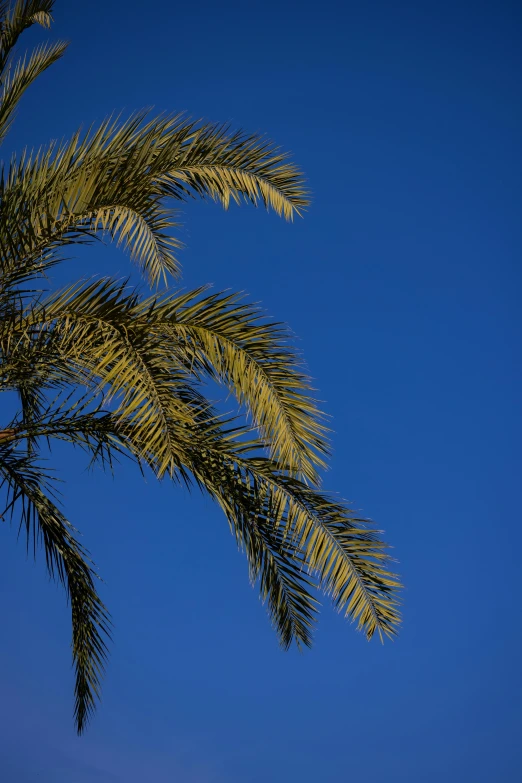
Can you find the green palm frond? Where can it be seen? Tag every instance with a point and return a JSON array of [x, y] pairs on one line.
[[67, 561], [16, 80], [342, 550], [119, 178], [79, 423], [286, 528], [275, 563]]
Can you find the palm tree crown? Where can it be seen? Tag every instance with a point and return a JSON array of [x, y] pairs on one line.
[[100, 366]]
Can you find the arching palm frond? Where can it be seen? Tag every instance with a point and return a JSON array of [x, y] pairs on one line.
[[18, 16], [104, 329], [88, 332], [118, 179], [255, 359], [225, 166], [21, 75], [342, 550]]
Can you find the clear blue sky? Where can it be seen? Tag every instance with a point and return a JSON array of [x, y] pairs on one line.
[[403, 283]]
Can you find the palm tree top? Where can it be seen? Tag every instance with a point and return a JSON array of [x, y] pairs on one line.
[[103, 367]]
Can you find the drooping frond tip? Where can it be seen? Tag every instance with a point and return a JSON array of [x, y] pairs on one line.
[[67, 561], [231, 166]]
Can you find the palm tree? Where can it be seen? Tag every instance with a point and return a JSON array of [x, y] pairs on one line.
[[104, 368]]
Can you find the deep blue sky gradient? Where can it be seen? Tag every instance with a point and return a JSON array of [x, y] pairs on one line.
[[403, 284]]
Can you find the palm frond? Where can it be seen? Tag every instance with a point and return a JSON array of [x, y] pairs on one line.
[[16, 80], [230, 166], [17, 17], [215, 335], [342, 550], [233, 343], [275, 562], [129, 347], [67, 561], [77, 421], [90, 331], [283, 586], [117, 178]]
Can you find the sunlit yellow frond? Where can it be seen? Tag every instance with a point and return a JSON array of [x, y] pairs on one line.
[[19, 78], [255, 359], [89, 330], [130, 171], [342, 550], [224, 183]]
